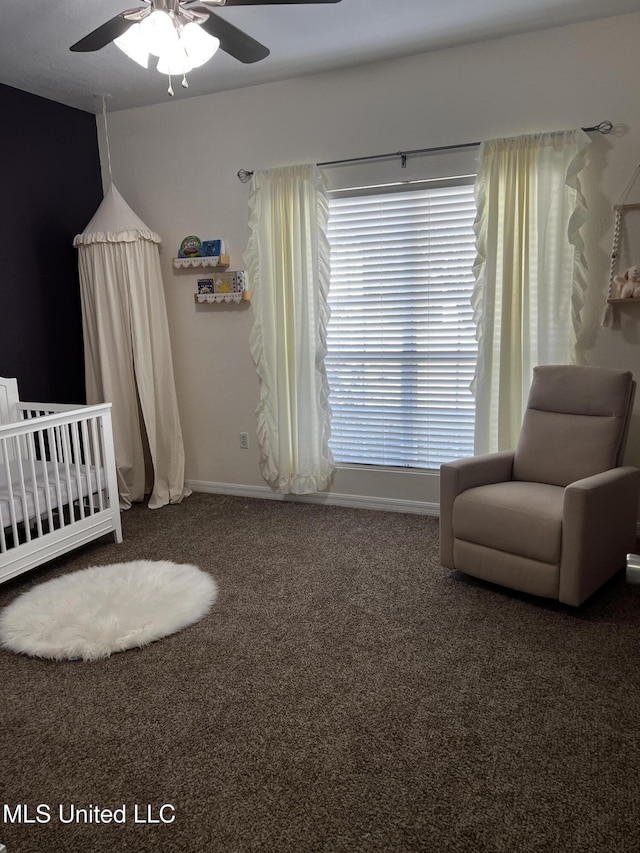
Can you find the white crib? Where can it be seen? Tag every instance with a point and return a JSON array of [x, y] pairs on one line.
[[58, 482]]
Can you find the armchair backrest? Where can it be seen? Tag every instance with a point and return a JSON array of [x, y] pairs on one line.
[[575, 424]]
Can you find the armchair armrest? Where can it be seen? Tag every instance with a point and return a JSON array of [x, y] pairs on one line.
[[598, 530], [463, 474]]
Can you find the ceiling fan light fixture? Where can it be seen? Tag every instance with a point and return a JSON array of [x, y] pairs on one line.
[[198, 45], [179, 47], [133, 46], [159, 34], [174, 63]]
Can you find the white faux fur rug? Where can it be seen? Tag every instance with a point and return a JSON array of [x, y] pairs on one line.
[[104, 609]]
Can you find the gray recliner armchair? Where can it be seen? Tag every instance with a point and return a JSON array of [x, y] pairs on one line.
[[557, 516]]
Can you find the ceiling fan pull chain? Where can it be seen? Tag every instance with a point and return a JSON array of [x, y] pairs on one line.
[[170, 89], [185, 85]]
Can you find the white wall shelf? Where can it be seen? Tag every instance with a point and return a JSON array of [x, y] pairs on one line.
[[217, 298], [219, 262]]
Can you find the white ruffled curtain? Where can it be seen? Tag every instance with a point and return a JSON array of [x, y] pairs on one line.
[[287, 260], [530, 272]]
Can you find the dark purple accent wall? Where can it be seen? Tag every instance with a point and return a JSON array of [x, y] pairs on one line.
[[50, 187]]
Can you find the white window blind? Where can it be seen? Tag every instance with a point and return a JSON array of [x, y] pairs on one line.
[[401, 338]]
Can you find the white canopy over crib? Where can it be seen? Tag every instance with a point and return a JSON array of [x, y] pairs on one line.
[[128, 351]]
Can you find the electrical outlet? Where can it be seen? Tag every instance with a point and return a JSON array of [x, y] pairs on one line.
[[244, 440]]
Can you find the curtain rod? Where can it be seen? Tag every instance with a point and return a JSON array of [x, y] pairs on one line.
[[604, 127]]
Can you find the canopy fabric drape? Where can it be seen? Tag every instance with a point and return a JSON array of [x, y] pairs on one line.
[[287, 260], [530, 272], [128, 351]]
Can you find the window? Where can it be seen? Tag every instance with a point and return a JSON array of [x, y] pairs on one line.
[[401, 338]]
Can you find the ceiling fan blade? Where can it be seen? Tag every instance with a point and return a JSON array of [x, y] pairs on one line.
[[101, 37], [233, 41]]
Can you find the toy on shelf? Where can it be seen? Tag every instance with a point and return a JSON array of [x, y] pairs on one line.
[[628, 285]]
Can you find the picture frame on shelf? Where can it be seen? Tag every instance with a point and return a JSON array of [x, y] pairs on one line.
[[205, 285]]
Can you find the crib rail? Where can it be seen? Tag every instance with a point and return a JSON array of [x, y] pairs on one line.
[[57, 468]]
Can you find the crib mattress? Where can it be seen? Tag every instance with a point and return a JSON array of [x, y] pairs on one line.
[[69, 491]]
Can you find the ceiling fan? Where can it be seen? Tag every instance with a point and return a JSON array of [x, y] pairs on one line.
[[162, 23]]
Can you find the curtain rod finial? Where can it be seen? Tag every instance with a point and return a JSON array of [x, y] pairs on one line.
[[244, 176], [603, 127]]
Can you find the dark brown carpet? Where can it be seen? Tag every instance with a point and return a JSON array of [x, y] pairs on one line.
[[344, 694]]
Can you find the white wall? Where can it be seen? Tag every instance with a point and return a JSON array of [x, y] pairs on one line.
[[176, 165]]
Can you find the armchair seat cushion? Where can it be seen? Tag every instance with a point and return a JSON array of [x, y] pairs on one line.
[[516, 517]]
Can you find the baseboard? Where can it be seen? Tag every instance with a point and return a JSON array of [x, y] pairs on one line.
[[327, 498]]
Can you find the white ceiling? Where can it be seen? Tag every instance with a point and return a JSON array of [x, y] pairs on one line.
[[35, 36]]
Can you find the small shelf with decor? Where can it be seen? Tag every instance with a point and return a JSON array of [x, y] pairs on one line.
[[625, 287], [223, 287]]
